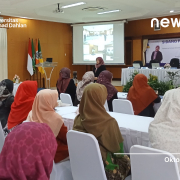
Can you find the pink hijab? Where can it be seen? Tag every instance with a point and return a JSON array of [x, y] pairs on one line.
[[43, 110], [64, 79], [105, 78], [101, 62], [28, 153]]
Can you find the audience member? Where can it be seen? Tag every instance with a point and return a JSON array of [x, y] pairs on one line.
[[43, 112], [22, 104], [28, 153], [142, 96], [94, 119], [86, 79], [105, 79], [164, 133], [6, 99], [65, 84]]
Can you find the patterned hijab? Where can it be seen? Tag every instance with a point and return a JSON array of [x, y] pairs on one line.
[[141, 94], [94, 119], [6, 89], [105, 78], [43, 110], [22, 104], [28, 153], [64, 78], [101, 62], [86, 79]]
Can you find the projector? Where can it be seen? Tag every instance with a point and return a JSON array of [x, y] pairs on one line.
[[58, 10]]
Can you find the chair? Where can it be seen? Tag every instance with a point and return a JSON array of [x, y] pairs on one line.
[[174, 62], [106, 106], [2, 138], [66, 98], [139, 62], [152, 166], [86, 161], [123, 106]]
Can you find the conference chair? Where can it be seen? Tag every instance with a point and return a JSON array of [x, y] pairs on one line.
[[139, 62], [2, 138], [174, 62], [123, 106], [86, 161], [149, 164], [106, 106], [66, 99]]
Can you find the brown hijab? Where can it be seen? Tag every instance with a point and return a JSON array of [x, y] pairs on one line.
[[94, 119], [64, 78], [141, 94]]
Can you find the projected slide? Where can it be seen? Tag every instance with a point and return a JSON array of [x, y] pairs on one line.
[[98, 42]]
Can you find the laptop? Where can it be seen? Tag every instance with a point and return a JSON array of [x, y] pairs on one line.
[[136, 66], [48, 59], [155, 65]]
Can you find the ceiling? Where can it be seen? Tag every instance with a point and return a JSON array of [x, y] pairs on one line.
[[130, 9]]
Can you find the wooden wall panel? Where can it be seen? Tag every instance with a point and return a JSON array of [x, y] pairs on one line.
[[137, 49]]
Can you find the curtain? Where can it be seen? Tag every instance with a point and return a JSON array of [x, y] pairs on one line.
[[3, 54], [145, 43]]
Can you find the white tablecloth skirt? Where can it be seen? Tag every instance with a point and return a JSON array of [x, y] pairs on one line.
[[160, 73]]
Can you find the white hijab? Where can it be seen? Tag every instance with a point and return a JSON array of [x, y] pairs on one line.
[[86, 79], [164, 131]]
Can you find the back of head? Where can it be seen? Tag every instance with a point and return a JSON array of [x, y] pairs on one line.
[[88, 77], [65, 73], [28, 152], [105, 77]]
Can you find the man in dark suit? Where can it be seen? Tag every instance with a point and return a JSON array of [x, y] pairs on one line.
[[157, 55]]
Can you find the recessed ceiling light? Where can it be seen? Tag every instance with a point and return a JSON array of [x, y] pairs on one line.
[[171, 11], [72, 5], [109, 11]]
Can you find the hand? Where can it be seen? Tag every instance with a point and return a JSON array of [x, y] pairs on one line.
[[95, 78]]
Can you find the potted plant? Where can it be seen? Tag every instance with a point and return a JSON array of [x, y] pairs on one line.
[[16, 79]]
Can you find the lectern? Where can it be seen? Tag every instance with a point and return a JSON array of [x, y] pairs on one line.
[[47, 65]]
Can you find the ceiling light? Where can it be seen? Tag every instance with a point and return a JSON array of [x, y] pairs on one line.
[[109, 12], [72, 5], [171, 11]]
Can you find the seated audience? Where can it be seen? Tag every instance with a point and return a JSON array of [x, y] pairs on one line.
[[94, 119], [164, 131], [65, 84], [99, 67], [22, 104], [142, 96], [43, 112], [105, 79], [28, 153], [86, 79], [6, 99]]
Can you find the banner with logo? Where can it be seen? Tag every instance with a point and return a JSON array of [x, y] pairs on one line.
[[163, 50]]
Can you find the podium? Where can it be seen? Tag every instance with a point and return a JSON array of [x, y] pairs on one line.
[[47, 65]]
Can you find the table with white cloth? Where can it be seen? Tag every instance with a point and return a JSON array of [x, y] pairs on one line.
[[66, 110], [123, 95], [16, 85], [134, 129], [160, 73]]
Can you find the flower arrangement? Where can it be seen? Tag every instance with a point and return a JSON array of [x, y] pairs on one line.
[[16, 79], [167, 66]]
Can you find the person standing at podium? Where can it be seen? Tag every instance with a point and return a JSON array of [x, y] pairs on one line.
[[65, 84]]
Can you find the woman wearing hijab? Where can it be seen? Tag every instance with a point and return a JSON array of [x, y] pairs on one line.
[[142, 96], [43, 112], [88, 78], [65, 84], [28, 153], [99, 67], [164, 133], [22, 104], [94, 119], [105, 79], [6, 99]]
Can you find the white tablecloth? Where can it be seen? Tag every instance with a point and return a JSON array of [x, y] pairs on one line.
[[134, 129], [15, 88], [122, 95], [66, 110], [160, 73]]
